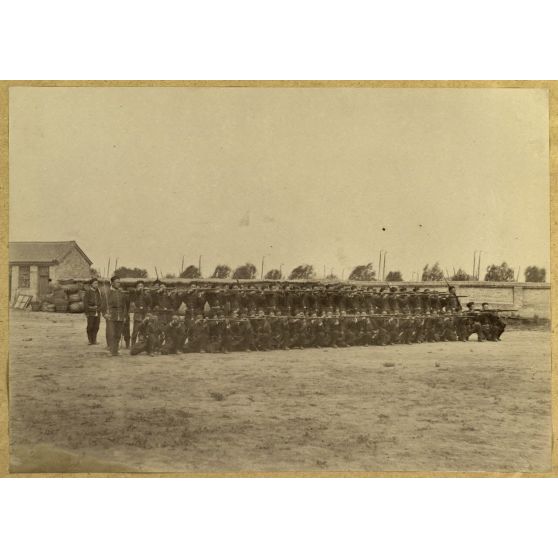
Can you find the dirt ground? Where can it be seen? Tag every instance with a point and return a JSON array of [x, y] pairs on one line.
[[440, 407]]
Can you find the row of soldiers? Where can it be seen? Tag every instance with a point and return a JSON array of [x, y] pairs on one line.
[[242, 318]]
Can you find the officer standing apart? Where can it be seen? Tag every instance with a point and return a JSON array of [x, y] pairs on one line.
[[115, 312], [92, 310]]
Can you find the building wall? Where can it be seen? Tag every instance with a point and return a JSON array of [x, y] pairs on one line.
[[73, 266], [33, 288], [529, 299]]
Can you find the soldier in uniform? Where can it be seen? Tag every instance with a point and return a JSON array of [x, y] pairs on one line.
[[247, 334], [425, 301], [200, 335], [174, 334], [264, 332], [115, 311], [495, 323], [235, 332], [471, 323], [147, 336], [126, 324], [162, 303], [453, 304], [414, 301], [140, 305], [403, 300], [92, 303]]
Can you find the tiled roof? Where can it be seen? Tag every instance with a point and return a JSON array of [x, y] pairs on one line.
[[43, 252]]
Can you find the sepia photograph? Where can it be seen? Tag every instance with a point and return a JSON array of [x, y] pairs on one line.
[[273, 278]]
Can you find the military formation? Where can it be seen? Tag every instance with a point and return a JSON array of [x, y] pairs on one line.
[[209, 317]]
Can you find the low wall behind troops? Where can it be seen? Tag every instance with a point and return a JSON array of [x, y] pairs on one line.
[[529, 299]]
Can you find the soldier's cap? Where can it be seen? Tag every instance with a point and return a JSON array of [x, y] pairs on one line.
[[92, 280], [139, 283], [114, 278], [469, 304], [415, 289], [393, 289], [426, 290], [402, 289], [484, 304], [382, 289]]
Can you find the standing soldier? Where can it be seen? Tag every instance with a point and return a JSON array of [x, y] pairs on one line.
[[163, 304], [126, 324], [92, 309], [115, 312], [453, 304]]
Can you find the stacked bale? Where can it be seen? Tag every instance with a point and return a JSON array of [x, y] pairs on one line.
[[69, 298], [60, 299], [47, 306]]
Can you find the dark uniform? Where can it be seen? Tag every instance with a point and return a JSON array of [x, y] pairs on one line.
[[147, 337], [495, 324], [92, 305], [115, 310], [141, 303]]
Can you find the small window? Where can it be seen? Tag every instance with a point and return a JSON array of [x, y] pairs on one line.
[[24, 277]]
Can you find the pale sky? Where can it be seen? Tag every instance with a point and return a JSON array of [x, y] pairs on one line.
[[311, 175]]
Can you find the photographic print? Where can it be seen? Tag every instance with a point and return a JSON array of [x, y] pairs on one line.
[[278, 278]]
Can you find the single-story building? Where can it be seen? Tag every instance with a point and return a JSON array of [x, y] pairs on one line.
[[34, 266]]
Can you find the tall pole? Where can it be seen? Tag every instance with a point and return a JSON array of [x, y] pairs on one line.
[[199, 265], [108, 268], [182, 268], [116, 265], [517, 278], [263, 259], [384, 270], [380, 266], [474, 264], [479, 265]]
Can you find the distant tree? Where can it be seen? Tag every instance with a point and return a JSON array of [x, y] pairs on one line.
[[433, 273], [246, 271], [222, 272], [363, 273], [394, 276], [332, 277], [461, 275], [191, 272], [303, 271], [534, 274], [502, 272], [274, 274], [134, 273], [94, 272], [170, 275]]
